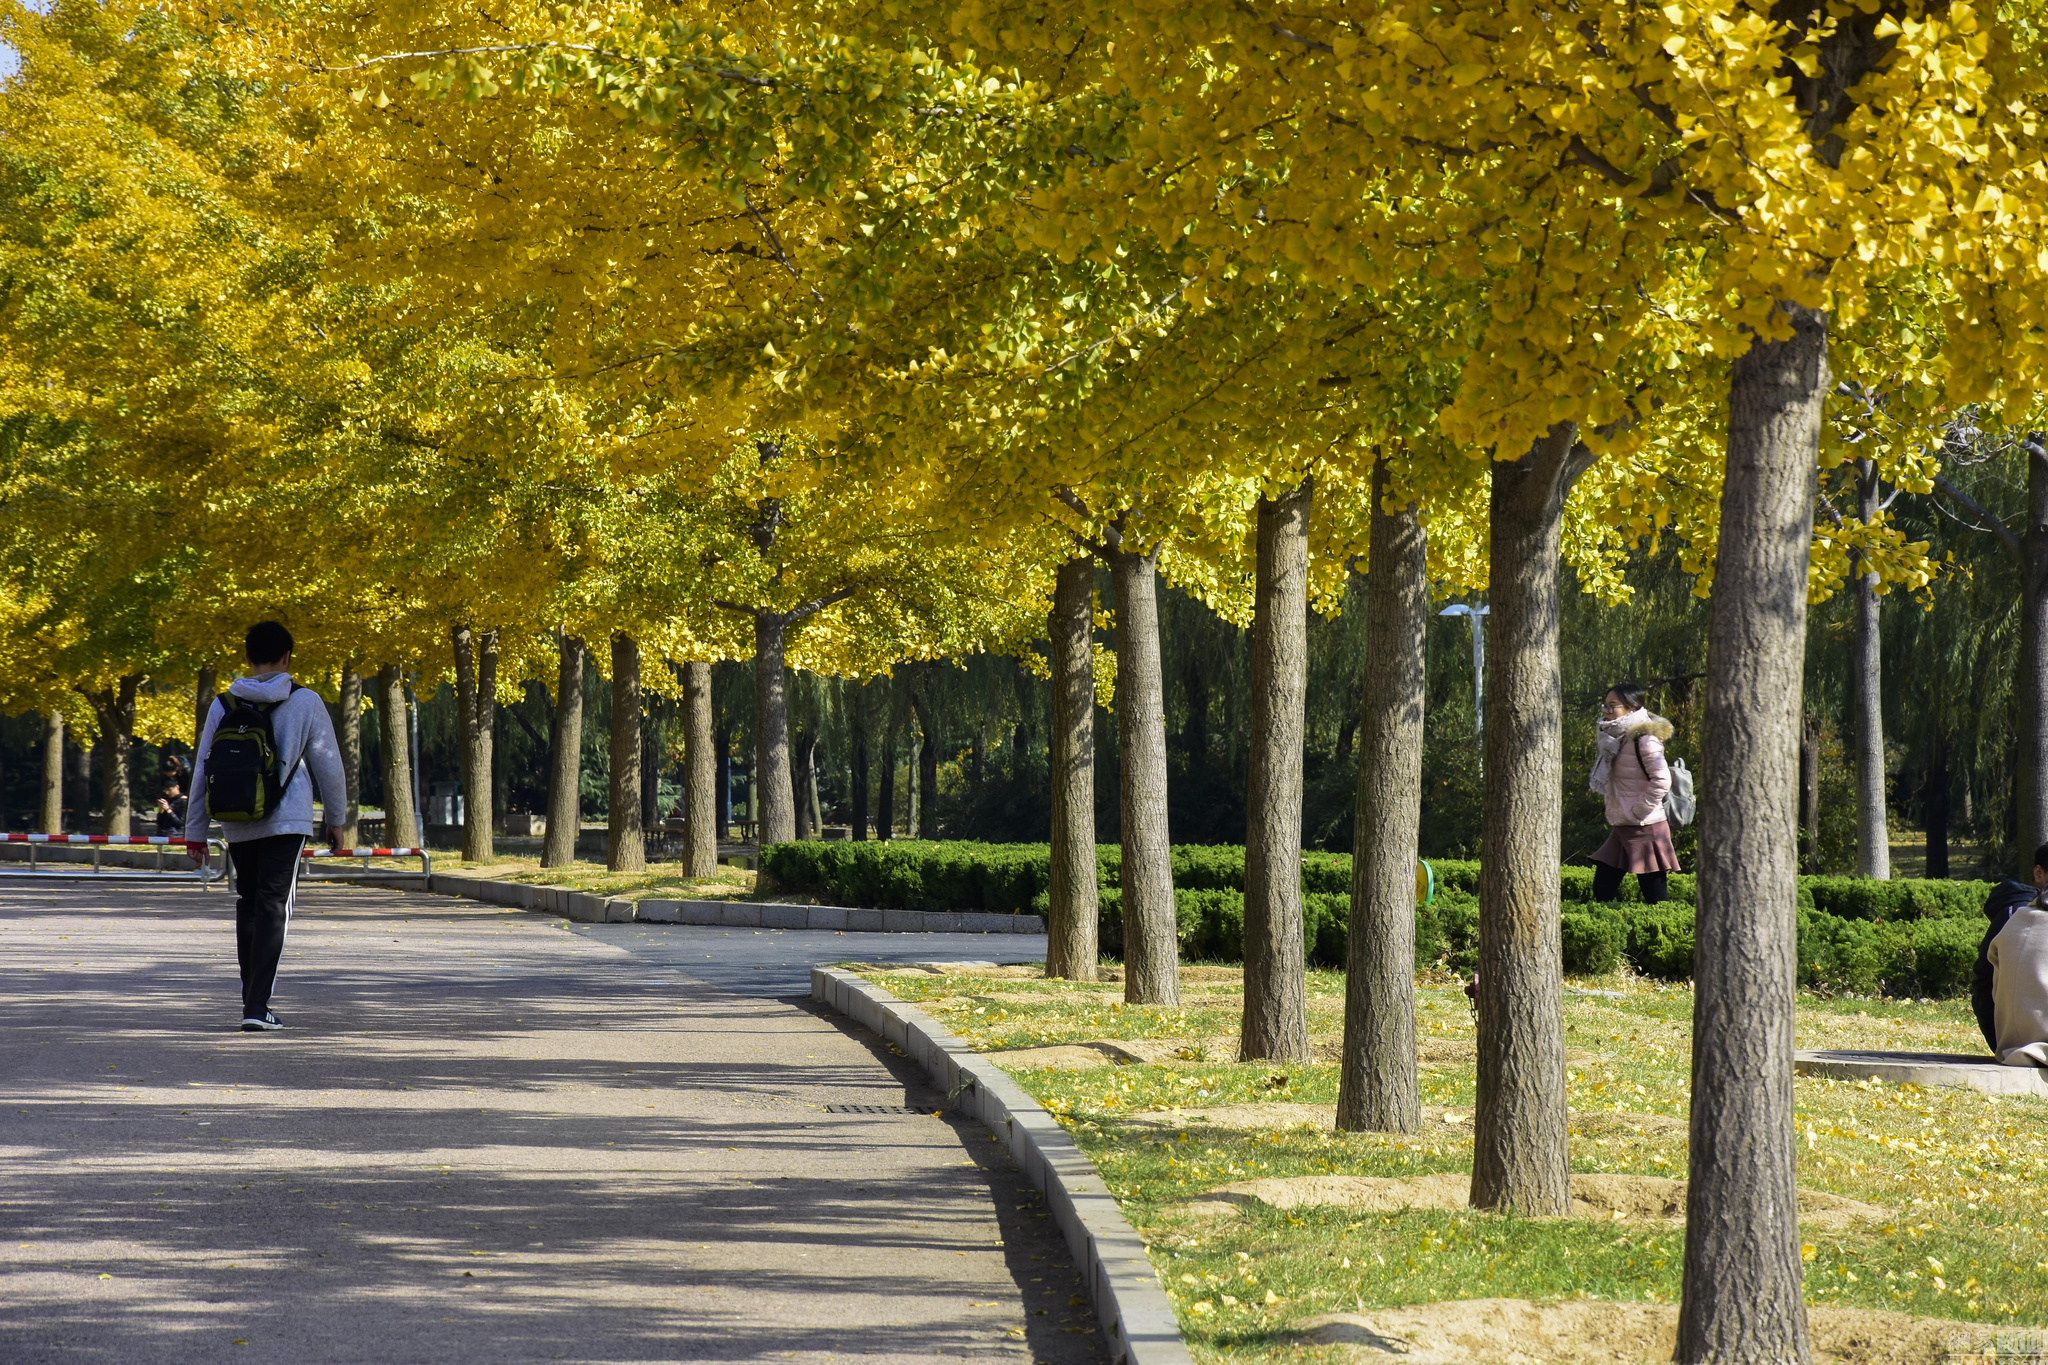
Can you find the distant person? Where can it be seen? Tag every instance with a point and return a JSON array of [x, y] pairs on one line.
[[2009, 990], [267, 743], [171, 808], [1630, 771]]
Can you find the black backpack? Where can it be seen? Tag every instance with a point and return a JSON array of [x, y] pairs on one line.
[[243, 784]]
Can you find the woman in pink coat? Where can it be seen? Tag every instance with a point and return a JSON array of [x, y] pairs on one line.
[[1631, 773]]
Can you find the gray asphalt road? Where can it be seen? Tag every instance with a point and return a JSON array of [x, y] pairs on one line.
[[486, 1136]]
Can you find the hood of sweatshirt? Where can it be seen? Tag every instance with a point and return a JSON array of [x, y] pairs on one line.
[[276, 687]]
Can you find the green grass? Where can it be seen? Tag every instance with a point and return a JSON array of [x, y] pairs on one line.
[[662, 879], [1965, 1175]]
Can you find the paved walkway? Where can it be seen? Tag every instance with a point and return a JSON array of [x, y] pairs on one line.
[[486, 1136]]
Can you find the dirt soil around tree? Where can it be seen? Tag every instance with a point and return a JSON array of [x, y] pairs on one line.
[[1924, 1212], [1594, 1332]]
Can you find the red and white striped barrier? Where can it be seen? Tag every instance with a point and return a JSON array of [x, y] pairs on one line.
[[159, 839], [205, 873], [322, 851], [366, 873], [214, 869]]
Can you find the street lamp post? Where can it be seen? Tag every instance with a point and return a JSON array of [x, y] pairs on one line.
[[1477, 616]]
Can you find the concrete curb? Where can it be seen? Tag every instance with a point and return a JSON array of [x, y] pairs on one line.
[[1137, 1317], [588, 909], [1925, 1068]]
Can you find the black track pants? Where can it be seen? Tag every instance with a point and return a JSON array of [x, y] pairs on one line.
[[266, 875]]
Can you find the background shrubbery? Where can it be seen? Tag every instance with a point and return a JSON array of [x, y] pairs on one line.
[[1905, 937]]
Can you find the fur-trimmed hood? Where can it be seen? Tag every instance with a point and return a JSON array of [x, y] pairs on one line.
[[1656, 727]]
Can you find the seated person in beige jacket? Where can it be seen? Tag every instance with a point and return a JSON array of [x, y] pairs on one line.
[[2018, 954]]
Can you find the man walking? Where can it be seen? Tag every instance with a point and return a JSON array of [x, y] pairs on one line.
[[268, 742]]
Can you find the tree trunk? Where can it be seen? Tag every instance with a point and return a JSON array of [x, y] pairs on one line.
[[885, 810], [1937, 811], [625, 839], [927, 760], [1378, 1087], [1742, 1299], [52, 818], [476, 683], [2033, 679], [115, 709], [774, 797], [1071, 921], [700, 776], [804, 781], [349, 734], [1809, 791], [816, 801], [1151, 943], [1275, 1026], [203, 694], [723, 796], [565, 758], [1520, 1159], [1866, 695], [858, 778], [401, 829], [651, 813]]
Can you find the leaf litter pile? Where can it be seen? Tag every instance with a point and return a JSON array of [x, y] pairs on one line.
[[1924, 1212]]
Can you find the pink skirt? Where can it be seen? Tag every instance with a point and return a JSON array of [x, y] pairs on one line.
[[1639, 848]]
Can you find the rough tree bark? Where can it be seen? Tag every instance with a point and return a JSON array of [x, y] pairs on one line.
[[885, 808], [349, 735], [1520, 1160], [1742, 1300], [401, 829], [1378, 1087], [625, 841], [1742, 1288], [1275, 1024], [1809, 791], [927, 757], [114, 707], [1151, 945], [565, 758], [204, 692], [2033, 679], [51, 820], [1070, 943], [1935, 797], [476, 689], [858, 776], [1866, 699], [804, 778], [774, 796], [724, 797], [700, 776]]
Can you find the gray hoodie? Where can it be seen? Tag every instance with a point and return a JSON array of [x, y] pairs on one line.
[[303, 729]]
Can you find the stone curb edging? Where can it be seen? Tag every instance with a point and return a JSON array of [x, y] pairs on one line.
[[1924, 1068], [588, 909], [1137, 1317]]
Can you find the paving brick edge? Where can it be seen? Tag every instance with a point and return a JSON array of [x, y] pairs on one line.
[[1137, 1317], [585, 908]]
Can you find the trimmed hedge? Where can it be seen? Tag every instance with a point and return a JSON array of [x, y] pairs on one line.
[[1917, 937]]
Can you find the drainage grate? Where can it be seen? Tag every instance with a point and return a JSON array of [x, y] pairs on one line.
[[873, 1109]]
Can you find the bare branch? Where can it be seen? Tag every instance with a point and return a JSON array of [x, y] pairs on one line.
[[1997, 526]]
